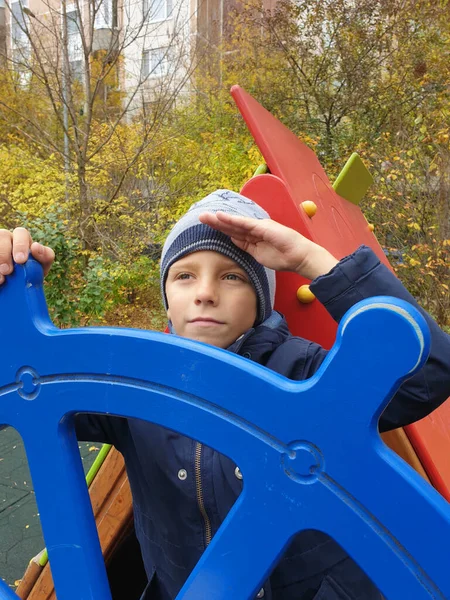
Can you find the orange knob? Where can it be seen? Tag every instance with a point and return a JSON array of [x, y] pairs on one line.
[[371, 226], [304, 294], [309, 207]]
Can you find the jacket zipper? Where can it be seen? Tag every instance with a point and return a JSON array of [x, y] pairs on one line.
[[198, 486]]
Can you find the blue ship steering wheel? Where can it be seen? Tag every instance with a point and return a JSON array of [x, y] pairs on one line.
[[309, 451]]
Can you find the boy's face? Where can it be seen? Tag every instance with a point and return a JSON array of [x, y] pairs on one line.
[[210, 298]]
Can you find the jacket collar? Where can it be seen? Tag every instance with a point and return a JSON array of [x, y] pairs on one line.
[[259, 342]]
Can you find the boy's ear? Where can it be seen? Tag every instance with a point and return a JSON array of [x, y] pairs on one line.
[[168, 313]]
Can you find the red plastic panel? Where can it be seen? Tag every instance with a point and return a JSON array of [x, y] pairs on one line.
[[311, 321], [296, 176], [339, 226]]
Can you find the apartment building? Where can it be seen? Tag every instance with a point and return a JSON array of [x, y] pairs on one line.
[[157, 49], [35, 27], [158, 41]]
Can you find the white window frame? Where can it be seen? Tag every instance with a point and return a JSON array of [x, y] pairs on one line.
[[157, 61], [148, 11], [76, 74], [104, 15], [21, 41], [20, 45], [74, 41]]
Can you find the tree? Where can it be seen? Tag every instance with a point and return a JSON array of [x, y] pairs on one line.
[[71, 91], [370, 77]]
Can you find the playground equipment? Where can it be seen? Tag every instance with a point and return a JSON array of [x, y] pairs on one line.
[[312, 477], [297, 177], [300, 472]]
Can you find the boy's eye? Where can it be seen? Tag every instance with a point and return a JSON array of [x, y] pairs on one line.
[[183, 276], [233, 277]]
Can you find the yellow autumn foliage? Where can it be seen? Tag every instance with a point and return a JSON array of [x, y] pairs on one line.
[[30, 185], [364, 77]]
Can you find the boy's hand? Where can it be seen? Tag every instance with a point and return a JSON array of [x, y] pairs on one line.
[[17, 245], [273, 245]]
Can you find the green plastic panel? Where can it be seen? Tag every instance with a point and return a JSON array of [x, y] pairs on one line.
[[261, 170], [354, 180]]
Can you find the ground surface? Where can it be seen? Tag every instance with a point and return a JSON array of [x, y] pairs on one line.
[[20, 529]]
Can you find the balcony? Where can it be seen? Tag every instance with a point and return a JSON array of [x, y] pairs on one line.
[[105, 27]]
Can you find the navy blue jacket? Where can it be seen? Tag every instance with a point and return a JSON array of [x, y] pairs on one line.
[[166, 470]]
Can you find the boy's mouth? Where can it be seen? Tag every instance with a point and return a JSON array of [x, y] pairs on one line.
[[206, 321]]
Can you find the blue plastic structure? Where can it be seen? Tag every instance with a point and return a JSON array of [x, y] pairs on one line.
[[309, 451]]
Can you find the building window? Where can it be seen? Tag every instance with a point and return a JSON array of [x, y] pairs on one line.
[[76, 70], [18, 25], [157, 10], [74, 42], [20, 43], [106, 14], [155, 63], [73, 22]]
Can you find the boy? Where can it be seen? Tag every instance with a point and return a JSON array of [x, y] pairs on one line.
[[218, 285]]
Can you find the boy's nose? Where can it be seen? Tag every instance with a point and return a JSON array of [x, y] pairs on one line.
[[206, 293]]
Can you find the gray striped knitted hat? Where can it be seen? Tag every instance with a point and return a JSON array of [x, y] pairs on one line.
[[190, 235]]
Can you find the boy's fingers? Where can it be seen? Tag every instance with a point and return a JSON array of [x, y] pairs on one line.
[[231, 225], [231, 220], [21, 244], [17, 245], [43, 254], [6, 265]]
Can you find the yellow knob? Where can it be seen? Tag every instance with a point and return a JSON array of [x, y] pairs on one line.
[[309, 207], [371, 226], [304, 294]]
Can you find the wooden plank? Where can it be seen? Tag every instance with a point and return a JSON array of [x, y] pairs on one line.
[[398, 441], [430, 438], [113, 510]]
